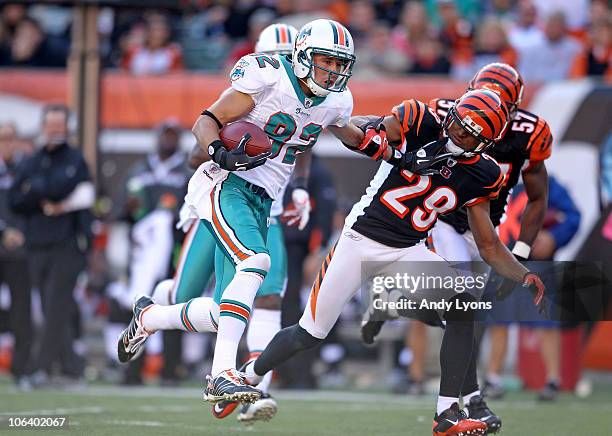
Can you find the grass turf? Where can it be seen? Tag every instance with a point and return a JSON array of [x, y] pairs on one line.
[[107, 410]]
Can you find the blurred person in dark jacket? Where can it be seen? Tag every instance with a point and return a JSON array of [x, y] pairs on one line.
[[13, 260], [30, 47], [53, 192]]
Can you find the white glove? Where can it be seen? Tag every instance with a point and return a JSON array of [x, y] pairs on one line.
[[301, 213]]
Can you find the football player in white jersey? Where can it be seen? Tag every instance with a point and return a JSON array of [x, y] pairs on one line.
[[196, 262], [292, 101]]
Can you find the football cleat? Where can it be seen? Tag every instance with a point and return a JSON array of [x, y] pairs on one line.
[[263, 409], [224, 409], [549, 392], [229, 385], [478, 409], [454, 422], [131, 340], [369, 331], [493, 390]]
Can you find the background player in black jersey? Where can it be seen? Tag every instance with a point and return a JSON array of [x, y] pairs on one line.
[[435, 174]]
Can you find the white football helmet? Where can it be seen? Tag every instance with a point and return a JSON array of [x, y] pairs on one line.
[[276, 39], [329, 38]]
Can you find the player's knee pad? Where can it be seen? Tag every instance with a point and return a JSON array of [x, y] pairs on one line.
[[463, 308], [258, 261], [162, 294]]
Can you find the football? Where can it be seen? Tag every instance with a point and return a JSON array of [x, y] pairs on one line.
[[233, 133]]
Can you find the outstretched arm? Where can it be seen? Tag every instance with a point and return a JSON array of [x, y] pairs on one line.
[[496, 254]]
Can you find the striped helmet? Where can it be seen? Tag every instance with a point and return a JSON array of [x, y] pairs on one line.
[[329, 38], [276, 39], [481, 113], [504, 80]]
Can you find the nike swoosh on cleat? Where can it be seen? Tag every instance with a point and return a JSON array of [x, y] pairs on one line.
[[453, 422]]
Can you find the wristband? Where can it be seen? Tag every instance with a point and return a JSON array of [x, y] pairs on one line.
[[521, 249], [300, 183], [214, 146], [209, 114]]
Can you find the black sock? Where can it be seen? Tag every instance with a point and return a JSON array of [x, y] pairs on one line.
[[284, 345], [455, 355]]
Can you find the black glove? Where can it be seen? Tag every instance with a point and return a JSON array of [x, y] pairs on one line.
[[424, 159], [237, 159]]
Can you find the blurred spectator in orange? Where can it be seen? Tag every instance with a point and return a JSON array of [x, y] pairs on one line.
[[596, 58], [361, 20], [525, 31], [430, 57], [158, 55], [257, 22], [491, 45], [552, 59], [31, 48], [456, 33], [378, 56], [413, 25]]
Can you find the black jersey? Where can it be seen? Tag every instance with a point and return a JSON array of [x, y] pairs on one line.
[[400, 207], [527, 142]]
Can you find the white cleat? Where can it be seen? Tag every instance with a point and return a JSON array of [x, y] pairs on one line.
[[263, 409]]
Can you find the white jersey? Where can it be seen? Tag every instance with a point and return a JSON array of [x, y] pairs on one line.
[[292, 120]]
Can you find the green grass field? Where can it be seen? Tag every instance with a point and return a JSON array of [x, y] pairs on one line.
[[107, 410]]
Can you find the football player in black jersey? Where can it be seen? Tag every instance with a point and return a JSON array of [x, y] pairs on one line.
[[520, 154], [441, 169]]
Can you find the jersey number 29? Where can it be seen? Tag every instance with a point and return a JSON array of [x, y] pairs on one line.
[[440, 200]]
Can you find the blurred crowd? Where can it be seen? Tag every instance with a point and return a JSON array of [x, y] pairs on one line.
[[545, 39]]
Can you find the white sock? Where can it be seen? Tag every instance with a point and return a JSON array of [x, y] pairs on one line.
[[197, 315], [494, 378], [444, 403], [162, 294], [468, 397], [251, 376], [263, 326], [235, 310]]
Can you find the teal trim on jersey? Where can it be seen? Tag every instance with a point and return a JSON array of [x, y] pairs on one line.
[[258, 271], [197, 267], [296, 86], [276, 279]]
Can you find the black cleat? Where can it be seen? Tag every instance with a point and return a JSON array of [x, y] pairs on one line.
[[369, 331], [549, 392], [131, 340], [478, 409], [454, 422], [229, 385], [493, 390]]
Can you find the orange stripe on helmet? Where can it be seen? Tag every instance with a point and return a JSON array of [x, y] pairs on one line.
[[283, 34]]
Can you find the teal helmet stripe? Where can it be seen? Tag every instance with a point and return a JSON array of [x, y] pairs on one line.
[[277, 35], [289, 37], [331, 23]]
